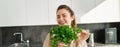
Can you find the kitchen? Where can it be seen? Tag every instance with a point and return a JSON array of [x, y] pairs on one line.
[[27, 16]]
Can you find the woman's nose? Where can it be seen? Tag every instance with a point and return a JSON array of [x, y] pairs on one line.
[[61, 18]]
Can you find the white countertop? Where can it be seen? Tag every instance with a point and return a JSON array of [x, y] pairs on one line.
[[106, 45]]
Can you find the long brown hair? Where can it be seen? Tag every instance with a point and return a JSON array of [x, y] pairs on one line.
[[73, 23]]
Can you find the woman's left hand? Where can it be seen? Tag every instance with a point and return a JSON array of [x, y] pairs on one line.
[[61, 44], [84, 35]]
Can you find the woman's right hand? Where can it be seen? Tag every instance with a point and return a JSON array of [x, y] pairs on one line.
[[61, 44]]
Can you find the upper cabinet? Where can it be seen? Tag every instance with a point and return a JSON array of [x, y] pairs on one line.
[[43, 12], [23, 12], [106, 11], [81, 7], [12, 12], [88, 11], [53, 5], [37, 12]]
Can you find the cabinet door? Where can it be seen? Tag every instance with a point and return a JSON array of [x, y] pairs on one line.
[[53, 5], [37, 12], [106, 11], [12, 12], [81, 7]]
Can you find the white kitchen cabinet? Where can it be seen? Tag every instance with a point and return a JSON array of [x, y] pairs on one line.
[[82, 7], [43, 12], [88, 11], [53, 5], [29, 12], [23, 12], [12, 12], [107, 11], [37, 12]]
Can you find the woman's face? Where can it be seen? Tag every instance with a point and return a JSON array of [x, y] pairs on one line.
[[64, 17]]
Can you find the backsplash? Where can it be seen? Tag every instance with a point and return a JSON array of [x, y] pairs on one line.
[[97, 29], [37, 34], [0, 37], [117, 25]]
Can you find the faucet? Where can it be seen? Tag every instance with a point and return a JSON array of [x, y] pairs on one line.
[[21, 36], [27, 41]]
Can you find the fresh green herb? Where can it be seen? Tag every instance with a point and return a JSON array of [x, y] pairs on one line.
[[64, 34]]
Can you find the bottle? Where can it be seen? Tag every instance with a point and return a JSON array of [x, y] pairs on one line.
[[27, 43], [91, 40]]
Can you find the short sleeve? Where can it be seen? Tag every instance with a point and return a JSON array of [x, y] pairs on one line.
[[47, 41], [83, 44]]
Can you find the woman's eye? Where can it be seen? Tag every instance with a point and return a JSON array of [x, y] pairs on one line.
[[58, 17], [64, 15]]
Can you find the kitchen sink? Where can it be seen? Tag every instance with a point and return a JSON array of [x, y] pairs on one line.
[[19, 45]]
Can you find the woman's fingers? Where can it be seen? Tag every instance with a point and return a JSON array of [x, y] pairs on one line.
[[84, 35], [61, 44]]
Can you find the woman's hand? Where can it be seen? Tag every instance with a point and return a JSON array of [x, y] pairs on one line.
[[61, 44], [83, 36]]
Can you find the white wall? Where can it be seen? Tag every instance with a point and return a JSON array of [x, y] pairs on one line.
[[108, 11]]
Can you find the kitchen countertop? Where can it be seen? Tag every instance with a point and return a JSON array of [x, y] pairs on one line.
[[96, 45], [23, 45], [106, 45]]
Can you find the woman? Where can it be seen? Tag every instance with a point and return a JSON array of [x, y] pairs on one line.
[[65, 16]]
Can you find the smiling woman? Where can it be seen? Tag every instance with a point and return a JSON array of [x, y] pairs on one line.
[[65, 16]]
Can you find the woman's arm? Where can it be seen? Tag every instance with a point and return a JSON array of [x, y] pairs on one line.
[[47, 42]]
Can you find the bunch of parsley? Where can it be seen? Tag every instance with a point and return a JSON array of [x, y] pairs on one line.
[[64, 34]]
